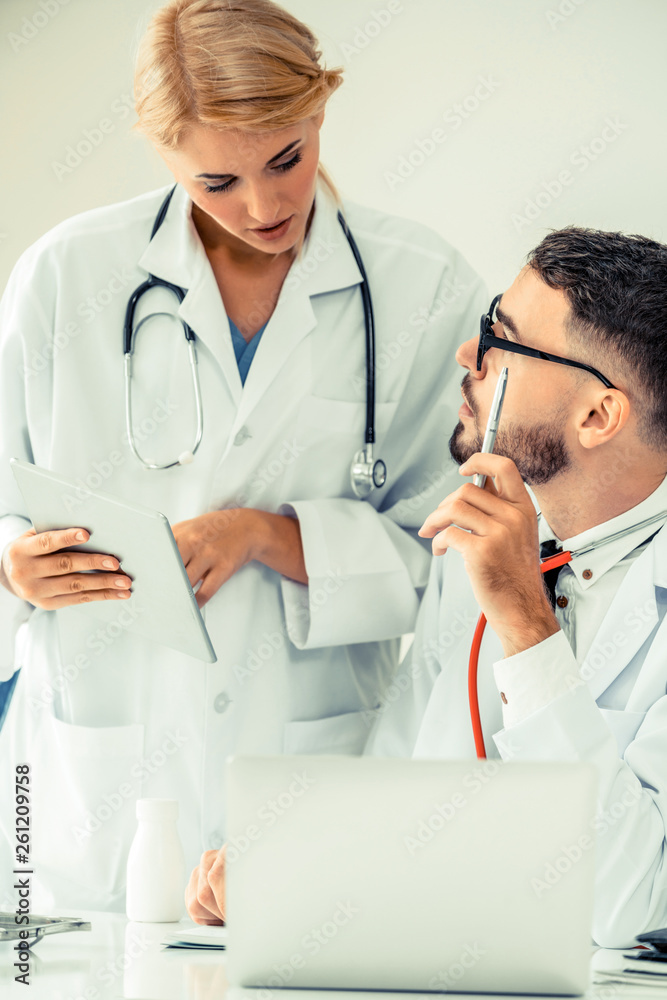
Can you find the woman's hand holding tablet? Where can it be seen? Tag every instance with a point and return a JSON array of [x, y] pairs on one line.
[[36, 568]]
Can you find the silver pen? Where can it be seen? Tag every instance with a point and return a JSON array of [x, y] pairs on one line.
[[492, 423]]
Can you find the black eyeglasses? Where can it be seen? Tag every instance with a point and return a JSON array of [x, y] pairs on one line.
[[487, 339]]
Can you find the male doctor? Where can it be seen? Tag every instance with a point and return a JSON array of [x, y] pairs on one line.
[[584, 678]]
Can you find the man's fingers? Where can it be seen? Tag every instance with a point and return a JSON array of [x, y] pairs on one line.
[[471, 496], [460, 513], [196, 911], [205, 894], [452, 537], [508, 482], [216, 880]]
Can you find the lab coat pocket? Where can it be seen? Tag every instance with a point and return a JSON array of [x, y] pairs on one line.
[[329, 433], [85, 786], [337, 734], [624, 725]]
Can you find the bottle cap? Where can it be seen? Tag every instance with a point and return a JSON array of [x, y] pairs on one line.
[[157, 809]]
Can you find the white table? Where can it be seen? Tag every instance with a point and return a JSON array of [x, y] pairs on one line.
[[122, 959]]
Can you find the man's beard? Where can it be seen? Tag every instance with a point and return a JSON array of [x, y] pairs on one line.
[[538, 452]]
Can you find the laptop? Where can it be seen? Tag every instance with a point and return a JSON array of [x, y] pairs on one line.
[[420, 875]]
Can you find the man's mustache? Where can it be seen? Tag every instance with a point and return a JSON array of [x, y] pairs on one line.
[[465, 392]]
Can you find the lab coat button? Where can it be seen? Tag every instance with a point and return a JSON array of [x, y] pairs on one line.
[[242, 436], [222, 702], [561, 601], [587, 574]]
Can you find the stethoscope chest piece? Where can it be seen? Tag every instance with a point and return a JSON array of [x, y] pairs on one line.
[[367, 474]]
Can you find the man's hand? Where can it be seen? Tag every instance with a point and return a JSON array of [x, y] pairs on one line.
[[217, 545], [500, 550], [205, 893]]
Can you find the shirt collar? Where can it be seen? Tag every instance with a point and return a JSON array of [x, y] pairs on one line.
[[175, 253], [326, 262], [596, 563]]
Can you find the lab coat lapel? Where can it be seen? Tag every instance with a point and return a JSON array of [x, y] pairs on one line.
[[326, 264], [176, 254], [292, 320], [203, 310], [650, 683], [631, 618]]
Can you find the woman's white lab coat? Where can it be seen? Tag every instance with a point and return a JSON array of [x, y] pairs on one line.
[[104, 717]]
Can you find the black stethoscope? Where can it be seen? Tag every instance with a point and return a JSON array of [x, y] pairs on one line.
[[365, 473]]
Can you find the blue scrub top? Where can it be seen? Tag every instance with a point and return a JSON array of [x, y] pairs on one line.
[[244, 352]]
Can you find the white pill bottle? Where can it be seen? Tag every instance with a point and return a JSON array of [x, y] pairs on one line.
[[156, 865]]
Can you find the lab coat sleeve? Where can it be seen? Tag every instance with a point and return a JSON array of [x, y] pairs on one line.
[[531, 679], [631, 817], [399, 716], [366, 567], [22, 316], [364, 575]]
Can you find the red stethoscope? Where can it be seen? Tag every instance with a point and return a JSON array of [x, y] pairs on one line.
[[553, 562]]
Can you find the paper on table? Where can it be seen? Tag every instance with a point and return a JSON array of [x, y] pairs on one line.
[[611, 966], [197, 937]]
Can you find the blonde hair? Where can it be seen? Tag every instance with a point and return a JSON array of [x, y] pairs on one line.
[[242, 64]]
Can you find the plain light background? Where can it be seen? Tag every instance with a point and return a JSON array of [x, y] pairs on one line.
[[521, 90]]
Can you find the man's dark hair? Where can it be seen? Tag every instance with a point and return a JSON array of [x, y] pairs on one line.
[[617, 289]]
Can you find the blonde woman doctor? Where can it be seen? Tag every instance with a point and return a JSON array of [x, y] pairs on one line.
[[306, 589]]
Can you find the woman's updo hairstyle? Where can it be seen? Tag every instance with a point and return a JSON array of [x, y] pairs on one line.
[[243, 64]]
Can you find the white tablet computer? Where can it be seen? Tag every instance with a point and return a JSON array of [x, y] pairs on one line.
[[143, 542]]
